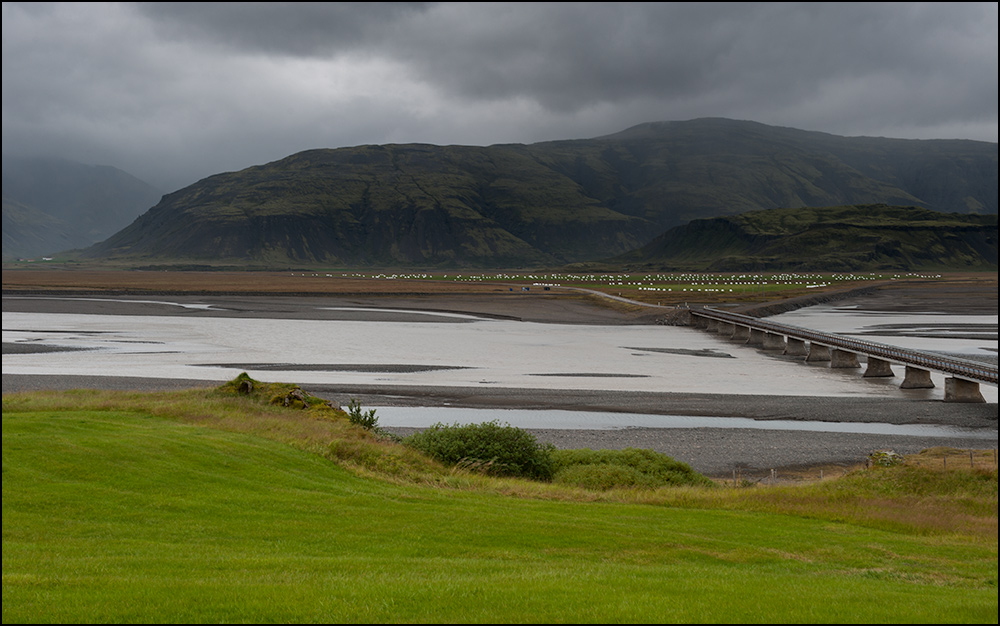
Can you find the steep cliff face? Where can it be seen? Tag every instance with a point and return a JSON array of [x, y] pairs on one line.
[[548, 203]]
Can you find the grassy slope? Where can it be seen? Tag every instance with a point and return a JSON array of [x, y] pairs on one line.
[[192, 506], [842, 238]]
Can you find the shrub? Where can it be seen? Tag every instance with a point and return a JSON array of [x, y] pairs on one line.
[[631, 467], [364, 419], [491, 448]]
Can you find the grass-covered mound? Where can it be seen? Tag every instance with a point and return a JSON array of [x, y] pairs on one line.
[[282, 394], [631, 467]]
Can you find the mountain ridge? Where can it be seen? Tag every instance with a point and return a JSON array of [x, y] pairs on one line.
[[548, 203]]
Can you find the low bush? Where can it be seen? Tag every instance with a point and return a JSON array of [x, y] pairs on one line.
[[490, 448], [365, 419], [631, 467]]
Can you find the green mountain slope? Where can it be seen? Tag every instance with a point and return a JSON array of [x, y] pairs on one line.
[[546, 203], [383, 205], [846, 238]]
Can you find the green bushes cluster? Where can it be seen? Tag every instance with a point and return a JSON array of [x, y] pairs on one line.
[[503, 450], [631, 467], [492, 448]]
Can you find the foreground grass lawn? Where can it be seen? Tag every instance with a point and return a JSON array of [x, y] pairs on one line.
[[121, 516]]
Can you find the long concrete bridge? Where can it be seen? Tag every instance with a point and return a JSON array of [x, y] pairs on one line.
[[963, 376]]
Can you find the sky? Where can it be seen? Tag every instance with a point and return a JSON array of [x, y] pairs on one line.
[[174, 92]]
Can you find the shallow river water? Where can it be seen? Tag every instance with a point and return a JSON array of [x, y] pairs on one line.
[[453, 350]]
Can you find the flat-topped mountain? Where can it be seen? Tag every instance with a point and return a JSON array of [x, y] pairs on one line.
[[542, 204]]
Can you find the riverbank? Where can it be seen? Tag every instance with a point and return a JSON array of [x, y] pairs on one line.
[[714, 451], [753, 454]]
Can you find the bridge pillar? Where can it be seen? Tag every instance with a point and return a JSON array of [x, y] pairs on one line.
[[877, 368], [741, 333], [795, 347], [699, 322], [756, 337], [725, 329], [958, 390], [713, 325], [773, 341], [917, 379], [843, 359], [818, 353]]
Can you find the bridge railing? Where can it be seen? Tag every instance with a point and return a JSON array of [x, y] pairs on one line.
[[959, 368]]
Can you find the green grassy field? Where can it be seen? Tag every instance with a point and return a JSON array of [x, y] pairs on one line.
[[203, 507]]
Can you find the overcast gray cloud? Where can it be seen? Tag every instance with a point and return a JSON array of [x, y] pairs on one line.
[[173, 92]]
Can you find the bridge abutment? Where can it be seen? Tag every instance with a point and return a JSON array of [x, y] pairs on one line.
[[841, 359], [818, 353], [773, 341], [916, 378], [795, 347], [958, 390], [877, 368]]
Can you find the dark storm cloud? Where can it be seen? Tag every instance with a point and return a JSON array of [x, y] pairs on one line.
[[189, 89], [296, 28], [569, 55]]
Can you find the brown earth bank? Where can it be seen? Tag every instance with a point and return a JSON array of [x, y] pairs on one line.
[[957, 293], [753, 453]]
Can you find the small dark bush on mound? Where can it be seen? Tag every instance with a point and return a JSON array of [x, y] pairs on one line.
[[489, 448], [631, 467]]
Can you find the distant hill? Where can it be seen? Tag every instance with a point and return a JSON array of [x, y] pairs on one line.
[[52, 205], [845, 238], [542, 204], [30, 232]]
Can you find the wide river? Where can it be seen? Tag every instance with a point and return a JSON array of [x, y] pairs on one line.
[[200, 339]]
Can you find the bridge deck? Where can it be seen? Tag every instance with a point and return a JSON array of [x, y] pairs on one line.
[[962, 369]]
